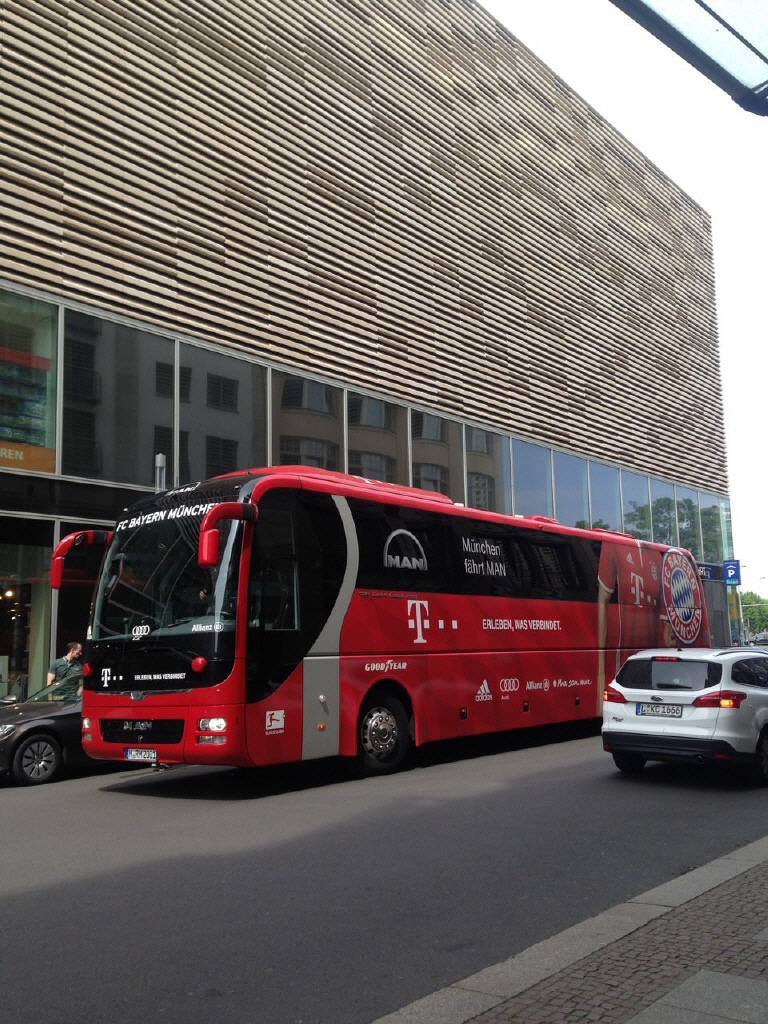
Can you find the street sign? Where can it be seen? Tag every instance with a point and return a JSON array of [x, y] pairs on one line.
[[732, 573]]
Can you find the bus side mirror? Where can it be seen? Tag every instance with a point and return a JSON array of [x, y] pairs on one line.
[[57, 573], [209, 548]]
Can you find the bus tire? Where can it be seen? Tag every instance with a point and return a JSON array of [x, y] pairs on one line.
[[384, 735]]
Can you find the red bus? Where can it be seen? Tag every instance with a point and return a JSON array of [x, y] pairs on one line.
[[284, 614]]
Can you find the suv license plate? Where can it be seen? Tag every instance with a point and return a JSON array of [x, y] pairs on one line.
[[139, 754], [661, 710]]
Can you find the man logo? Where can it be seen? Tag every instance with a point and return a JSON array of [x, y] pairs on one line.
[[403, 551]]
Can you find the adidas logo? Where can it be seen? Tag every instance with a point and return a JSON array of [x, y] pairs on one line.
[[484, 693]]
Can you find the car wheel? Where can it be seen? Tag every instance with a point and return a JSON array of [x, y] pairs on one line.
[[631, 764], [37, 760], [761, 759], [384, 736]]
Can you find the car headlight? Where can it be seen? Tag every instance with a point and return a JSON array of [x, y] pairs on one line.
[[5, 730]]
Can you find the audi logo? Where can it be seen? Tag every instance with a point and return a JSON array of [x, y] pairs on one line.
[[509, 685], [140, 630]]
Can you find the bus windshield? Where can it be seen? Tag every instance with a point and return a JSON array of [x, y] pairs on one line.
[[152, 585]]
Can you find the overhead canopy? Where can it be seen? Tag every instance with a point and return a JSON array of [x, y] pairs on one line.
[[727, 40]]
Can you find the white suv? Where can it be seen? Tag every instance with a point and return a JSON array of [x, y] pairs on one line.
[[697, 704]]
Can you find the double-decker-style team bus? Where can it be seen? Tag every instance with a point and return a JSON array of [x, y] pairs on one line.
[[284, 614]]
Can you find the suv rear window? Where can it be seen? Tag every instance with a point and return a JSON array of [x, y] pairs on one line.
[[669, 674]]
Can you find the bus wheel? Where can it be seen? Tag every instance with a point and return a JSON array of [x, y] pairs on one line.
[[384, 737]]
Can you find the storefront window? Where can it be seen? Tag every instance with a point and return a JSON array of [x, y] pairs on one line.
[[377, 439], [222, 414], [437, 453], [306, 422], [605, 493], [637, 504], [571, 490], [689, 520], [489, 470], [663, 512], [112, 404], [25, 604], [532, 466], [27, 383]]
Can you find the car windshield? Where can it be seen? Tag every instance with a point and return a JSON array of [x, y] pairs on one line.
[[669, 674], [68, 688]]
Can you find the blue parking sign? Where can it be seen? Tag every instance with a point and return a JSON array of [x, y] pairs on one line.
[[732, 573]]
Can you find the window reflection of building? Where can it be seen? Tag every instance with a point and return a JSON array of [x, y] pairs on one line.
[[27, 383], [220, 455], [307, 427], [307, 451], [377, 439], [489, 483], [437, 451], [571, 490], [635, 490], [532, 467], [430, 478], [605, 493], [663, 512]]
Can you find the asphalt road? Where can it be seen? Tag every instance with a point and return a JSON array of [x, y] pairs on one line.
[[301, 896]]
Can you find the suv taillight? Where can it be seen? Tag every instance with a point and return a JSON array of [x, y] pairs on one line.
[[613, 696], [721, 699]]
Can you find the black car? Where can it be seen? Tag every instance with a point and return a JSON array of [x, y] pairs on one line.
[[41, 736]]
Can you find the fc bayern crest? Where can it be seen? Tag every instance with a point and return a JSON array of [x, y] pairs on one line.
[[681, 592]]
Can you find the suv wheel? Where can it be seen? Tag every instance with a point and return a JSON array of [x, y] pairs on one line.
[[761, 758]]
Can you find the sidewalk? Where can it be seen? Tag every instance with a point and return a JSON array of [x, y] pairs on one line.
[[693, 951]]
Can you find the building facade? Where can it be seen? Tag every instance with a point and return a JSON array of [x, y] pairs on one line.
[[377, 236]]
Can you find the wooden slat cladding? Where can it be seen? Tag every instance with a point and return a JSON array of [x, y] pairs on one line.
[[392, 193]]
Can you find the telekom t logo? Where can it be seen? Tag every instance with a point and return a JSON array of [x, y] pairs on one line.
[[418, 619], [106, 677], [419, 610]]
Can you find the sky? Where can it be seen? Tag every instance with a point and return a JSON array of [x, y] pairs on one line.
[[717, 153]]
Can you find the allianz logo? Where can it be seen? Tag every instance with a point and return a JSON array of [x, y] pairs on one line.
[[484, 693]]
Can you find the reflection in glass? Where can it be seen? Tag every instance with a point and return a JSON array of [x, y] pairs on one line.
[[377, 439], [532, 467], [27, 383], [711, 509], [223, 421], [307, 422], [571, 490], [605, 491], [489, 470], [663, 512], [111, 402], [637, 504], [437, 451], [689, 520]]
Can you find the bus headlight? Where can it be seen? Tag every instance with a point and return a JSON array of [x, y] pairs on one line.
[[212, 725]]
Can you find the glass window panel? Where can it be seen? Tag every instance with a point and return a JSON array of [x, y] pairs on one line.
[[728, 551], [605, 493], [571, 490], [111, 400], [711, 509], [532, 468], [308, 451], [211, 436], [663, 512], [28, 331], [430, 478], [689, 520], [489, 470], [637, 504], [377, 438], [307, 427], [437, 445]]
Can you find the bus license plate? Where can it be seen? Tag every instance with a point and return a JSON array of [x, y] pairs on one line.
[[137, 754], [661, 710]]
